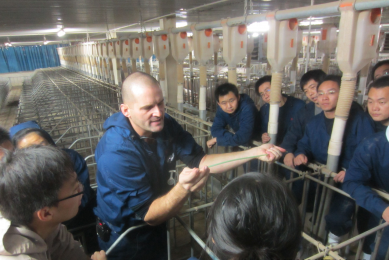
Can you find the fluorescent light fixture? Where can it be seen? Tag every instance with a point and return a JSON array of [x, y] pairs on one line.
[[181, 24], [255, 35], [313, 22], [258, 27], [313, 32], [61, 33], [59, 19]]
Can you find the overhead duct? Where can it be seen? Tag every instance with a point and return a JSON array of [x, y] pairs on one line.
[[161, 51], [203, 50], [234, 48], [281, 49], [357, 46], [180, 49]]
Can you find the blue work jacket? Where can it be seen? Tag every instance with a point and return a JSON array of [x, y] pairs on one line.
[[315, 141], [132, 173], [369, 168], [286, 116], [297, 128], [79, 163], [243, 121]]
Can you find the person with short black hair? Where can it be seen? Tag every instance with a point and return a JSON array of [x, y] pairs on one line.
[[308, 84], [289, 106], [378, 102], [254, 217], [369, 168], [314, 146], [5, 142], [39, 190], [380, 69], [29, 133], [238, 112]]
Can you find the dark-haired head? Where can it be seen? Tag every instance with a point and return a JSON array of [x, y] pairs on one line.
[[335, 78], [315, 75], [378, 100], [31, 179], [262, 88], [5, 141], [224, 89], [32, 136], [260, 81], [381, 82], [254, 217], [380, 69]]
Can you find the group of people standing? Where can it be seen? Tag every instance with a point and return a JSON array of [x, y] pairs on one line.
[[254, 217], [304, 131]]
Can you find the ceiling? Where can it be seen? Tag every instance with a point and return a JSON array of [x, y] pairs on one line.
[[30, 20]]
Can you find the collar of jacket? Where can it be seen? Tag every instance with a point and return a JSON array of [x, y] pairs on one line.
[[17, 240]]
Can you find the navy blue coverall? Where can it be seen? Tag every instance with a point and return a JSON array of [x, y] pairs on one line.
[[244, 121], [131, 174], [370, 168], [314, 145]]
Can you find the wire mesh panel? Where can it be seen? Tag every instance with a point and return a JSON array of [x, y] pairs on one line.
[[70, 107]]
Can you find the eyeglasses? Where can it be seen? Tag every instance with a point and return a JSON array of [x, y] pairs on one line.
[[228, 101], [264, 92], [80, 189], [331, 92]]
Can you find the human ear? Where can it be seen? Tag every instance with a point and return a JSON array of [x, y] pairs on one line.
[[125, 110], [44, 214]]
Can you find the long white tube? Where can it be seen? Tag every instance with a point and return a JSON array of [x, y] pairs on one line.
[[162, 80], [275, 100], [346, 96], [203, 90], [180, 87], [115, 71], [232, 75]]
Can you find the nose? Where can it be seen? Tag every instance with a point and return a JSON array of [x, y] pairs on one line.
[[324, 96], [157, 111], [375, 107]]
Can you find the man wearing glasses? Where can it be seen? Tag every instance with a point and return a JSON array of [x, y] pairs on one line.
[[289, 107], [238, 112], [314, 146], [39, 190]]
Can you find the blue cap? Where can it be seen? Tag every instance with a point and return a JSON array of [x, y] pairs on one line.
[[29, 124]]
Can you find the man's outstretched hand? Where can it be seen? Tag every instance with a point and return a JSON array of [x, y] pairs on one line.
[[272, 152]]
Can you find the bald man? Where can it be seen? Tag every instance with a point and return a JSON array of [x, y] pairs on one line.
[[139, 148]]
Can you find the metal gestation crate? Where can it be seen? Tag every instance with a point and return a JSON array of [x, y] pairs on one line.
[[71, 107]]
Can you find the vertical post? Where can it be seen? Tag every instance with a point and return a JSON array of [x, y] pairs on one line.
[[133, 65], [203, 90], [180, 87], [115, 70]]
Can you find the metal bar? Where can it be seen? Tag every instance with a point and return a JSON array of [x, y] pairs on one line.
[[197, 239]]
